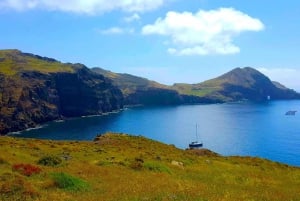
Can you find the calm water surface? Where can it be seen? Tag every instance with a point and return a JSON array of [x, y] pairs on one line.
[[230, 129]]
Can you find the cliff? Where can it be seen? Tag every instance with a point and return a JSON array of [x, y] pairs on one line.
[[36, 89]]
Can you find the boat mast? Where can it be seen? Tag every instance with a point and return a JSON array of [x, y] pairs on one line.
[[197, 132]]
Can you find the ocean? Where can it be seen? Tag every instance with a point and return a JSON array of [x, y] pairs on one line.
[[245, 129]]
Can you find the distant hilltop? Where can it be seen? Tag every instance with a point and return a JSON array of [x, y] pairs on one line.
[[239, 84], [36, 89]]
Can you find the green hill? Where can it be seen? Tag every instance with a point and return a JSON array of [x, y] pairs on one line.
[[35, 89], [129, 83], [138, 90], [13, 62], [239, 84], [127, 168]]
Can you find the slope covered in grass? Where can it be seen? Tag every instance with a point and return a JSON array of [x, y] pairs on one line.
[[14, 61], [138, 90], [123, 167]]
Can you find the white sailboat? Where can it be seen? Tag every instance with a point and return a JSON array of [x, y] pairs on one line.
[[196, 144]]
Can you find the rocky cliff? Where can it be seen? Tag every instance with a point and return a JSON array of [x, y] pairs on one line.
[[36, 89]]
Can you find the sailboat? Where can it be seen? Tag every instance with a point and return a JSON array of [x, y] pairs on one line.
[[196, 144]]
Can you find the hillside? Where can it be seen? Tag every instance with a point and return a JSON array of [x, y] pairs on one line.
[[129, 83], [239, 84], [35, 89], [125, 168], [138, 90]]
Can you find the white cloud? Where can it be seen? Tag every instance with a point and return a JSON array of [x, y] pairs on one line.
[[116, 31], [286, 76], [134, 17], [205, 32], [84, 6]]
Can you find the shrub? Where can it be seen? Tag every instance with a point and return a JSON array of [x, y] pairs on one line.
[[26, 169], [68, 182], [50, 161]]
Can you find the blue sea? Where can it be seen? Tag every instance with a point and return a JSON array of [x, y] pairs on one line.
[[247, 129]]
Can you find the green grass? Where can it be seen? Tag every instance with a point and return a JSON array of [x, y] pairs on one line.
[[123, 167], [14, 61], [156, 167], [196, 89], [130, 83], [68, 182]]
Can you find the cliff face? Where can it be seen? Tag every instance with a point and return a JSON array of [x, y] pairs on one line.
[[29, 97], [86, 93]]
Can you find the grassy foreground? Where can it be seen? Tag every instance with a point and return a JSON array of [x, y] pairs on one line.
[[123, 167]]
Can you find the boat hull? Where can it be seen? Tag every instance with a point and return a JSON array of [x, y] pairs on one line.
[[195, 145]]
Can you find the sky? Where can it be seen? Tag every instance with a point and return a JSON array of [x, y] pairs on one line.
[[169, 41]]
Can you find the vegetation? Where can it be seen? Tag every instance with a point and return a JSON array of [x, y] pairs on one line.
[[123, 167], [26, 169], [236, 85], [129, 84], [68, 182], [14, 61], [50, 161]]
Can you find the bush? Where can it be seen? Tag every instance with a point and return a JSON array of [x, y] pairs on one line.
[[68, 182], [50, 161], [26, 169]]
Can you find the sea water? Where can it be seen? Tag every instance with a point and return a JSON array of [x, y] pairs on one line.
[[246, 129]]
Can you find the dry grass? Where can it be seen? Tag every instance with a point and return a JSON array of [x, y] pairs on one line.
[[122, 167]]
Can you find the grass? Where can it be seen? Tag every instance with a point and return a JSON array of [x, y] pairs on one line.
[[129, 83], [196, 89], [68, 182], [122, 167], [156, 167], [14, 61]]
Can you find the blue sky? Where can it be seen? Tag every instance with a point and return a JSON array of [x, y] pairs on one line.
[[163, 40]]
